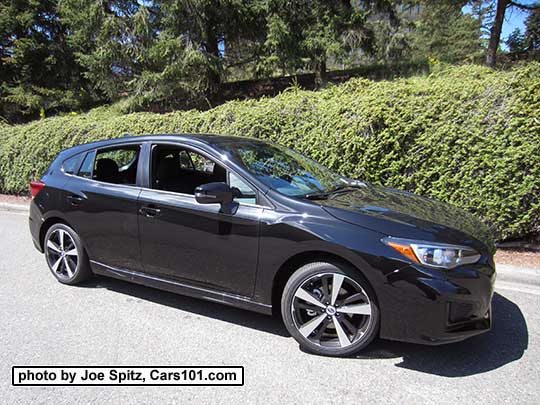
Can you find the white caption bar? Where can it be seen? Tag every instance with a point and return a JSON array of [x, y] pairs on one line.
[[75, 375]]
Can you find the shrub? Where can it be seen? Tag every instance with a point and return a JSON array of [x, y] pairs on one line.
[[467, 135]]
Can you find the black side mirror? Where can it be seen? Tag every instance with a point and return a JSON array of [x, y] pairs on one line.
[[218, 193]]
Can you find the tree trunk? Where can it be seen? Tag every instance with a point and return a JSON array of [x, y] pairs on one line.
[[212, 47], [495, 35], [320, 72]]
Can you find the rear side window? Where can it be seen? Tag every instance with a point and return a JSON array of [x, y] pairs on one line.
[[71, 165], [117, 165]]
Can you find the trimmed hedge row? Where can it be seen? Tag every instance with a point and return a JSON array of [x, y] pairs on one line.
[[466, 135]]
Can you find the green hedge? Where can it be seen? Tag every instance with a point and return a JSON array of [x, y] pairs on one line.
[[466, 135]]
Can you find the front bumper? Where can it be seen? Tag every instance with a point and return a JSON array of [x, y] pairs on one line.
[[434, 307]]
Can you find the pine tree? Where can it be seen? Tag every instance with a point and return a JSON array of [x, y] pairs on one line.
[[516, 41], [112, 40], [496, 27], [305, 34], [38, 69], [445, 33], [532, 30], [161, 55]]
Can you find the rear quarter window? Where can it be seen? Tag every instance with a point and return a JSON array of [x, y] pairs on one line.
[[87, 165], [71, 165]]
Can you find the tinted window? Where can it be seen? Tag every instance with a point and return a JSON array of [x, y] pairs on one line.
[[185, 160], [87, 165], [118, 165], [202, 163], [248, 194], [71, 165], [182, 170]]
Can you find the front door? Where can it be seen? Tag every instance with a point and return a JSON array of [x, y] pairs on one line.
[[187, 241]]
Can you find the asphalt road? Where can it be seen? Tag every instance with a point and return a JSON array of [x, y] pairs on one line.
[[109, 322]]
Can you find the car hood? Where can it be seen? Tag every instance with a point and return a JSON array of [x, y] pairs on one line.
[[402, 214]]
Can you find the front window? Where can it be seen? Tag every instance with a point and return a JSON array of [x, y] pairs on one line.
[[282, 169], [181, 170]]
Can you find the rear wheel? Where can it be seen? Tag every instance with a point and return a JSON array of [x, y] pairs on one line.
[[65, 255], [330, 310]]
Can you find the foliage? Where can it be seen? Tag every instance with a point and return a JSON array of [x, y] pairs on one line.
[[532, 30], [58, 56], [307, 34], [516, 41], [392, 39], [444, 32], [498, 9], [110, 40], [434, 29], [525, 45], [157, 55], [37, 65], [469, 136]]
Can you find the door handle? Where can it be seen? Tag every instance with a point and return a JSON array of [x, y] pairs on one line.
[[74, 199], [149, 211]]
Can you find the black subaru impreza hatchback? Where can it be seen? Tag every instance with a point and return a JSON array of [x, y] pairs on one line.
[[258, 226]]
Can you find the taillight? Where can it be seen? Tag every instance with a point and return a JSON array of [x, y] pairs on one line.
[[35, 187]]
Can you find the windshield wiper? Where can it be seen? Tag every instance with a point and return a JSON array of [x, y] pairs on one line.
[[324, 195], [315, 196], [354, 183]]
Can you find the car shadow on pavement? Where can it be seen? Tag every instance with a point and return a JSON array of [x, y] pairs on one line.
[[201, 307], [505, 343]]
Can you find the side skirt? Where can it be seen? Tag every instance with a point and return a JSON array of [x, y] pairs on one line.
[[181, 288]]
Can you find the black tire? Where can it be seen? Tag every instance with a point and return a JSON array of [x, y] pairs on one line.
[[65, 266], [330, 341]]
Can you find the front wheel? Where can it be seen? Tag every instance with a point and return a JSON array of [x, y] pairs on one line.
[[330, 310], [65, 255]]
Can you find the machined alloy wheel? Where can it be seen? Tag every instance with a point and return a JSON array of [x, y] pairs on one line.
[[65, 255], [329, 310], [62, 254]]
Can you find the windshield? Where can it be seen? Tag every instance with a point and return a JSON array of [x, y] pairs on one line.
[[282, 169]]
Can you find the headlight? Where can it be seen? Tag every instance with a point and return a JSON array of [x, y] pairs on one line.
[[433, 254]]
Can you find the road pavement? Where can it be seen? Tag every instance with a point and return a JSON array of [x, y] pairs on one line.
[[110, 322]]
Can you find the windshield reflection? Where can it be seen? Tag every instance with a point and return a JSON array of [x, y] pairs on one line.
[[282, 169]]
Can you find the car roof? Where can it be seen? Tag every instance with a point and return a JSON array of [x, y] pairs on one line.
[[207, 139]]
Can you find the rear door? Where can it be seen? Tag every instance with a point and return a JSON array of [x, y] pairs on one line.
[[187, 241], [101, 204]]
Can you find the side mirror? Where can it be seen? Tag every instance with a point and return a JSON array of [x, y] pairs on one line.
[[218, 193]]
